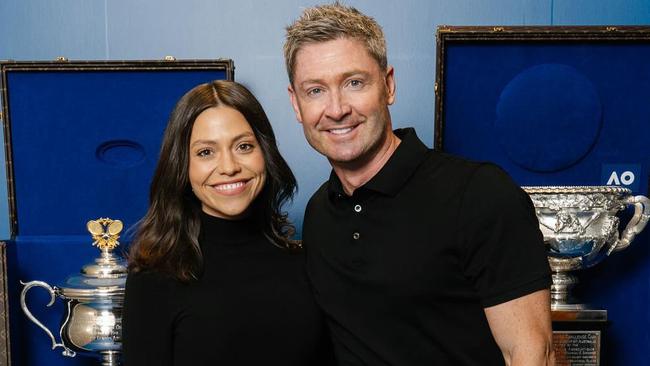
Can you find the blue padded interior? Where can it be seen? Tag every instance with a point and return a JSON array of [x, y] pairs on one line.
[[550, 114], [86, 143], [539, 102]]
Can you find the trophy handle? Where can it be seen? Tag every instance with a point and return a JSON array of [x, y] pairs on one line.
[[636, 224], [28, 285]]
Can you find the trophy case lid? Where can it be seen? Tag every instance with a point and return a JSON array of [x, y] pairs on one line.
[[82, 137], [551, 105]]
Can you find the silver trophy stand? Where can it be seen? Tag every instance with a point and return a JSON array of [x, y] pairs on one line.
[[93, 299], [581, 229]]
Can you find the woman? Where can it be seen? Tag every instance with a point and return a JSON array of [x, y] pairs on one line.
[[214, 277]]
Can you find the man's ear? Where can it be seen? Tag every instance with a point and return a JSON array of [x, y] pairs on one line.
[[294, 102], [390, 85]]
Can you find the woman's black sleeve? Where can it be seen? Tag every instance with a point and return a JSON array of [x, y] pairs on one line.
[[147, 321]]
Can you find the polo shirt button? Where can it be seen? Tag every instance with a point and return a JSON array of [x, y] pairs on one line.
[[357, 208], [356, 236]]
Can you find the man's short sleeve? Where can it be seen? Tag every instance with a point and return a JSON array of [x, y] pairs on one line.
[[502, 248]]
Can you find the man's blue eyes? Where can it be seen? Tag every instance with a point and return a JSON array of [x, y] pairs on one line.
[[314, 91], [353, 83]]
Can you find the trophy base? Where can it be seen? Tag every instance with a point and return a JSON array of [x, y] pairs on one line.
[[569, 308], [110, 358], [578, 335]]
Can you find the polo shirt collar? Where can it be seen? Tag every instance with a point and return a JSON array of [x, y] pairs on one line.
[[397, 170]]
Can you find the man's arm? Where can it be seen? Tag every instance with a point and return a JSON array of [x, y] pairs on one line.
[[522, 329]]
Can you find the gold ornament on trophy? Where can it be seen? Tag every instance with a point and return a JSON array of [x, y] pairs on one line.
[[105, 232]]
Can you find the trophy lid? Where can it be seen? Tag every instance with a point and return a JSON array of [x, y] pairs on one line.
[[106, 276]]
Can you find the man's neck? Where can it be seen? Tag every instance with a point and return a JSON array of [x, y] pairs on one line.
[[354, 176]]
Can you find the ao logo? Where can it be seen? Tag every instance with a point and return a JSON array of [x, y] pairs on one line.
[[626, 178]]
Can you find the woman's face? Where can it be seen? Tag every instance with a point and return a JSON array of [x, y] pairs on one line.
[[227, 170]]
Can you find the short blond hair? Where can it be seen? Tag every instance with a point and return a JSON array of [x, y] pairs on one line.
[[324, 23]]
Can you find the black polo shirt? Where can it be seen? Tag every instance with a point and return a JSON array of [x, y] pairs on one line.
[[405, 266]]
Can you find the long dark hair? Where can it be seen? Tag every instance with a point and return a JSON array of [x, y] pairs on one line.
[[167, 237]]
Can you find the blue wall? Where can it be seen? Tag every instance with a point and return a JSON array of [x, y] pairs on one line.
[[251, 33]]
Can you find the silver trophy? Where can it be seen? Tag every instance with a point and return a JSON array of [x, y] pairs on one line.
[[580, 229], [93, 300]]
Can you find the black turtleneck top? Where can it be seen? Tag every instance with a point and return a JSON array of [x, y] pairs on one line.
[[251, 306]]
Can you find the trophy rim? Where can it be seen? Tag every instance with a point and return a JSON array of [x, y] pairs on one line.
[[575, 189], [114, 293]]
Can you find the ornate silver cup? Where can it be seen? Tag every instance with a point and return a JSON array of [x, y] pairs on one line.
[[93, 300], [580, 229]]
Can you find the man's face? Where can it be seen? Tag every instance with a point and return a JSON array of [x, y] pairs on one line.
[[341, 98]]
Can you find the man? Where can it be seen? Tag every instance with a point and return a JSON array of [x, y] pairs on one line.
[[416, 257]]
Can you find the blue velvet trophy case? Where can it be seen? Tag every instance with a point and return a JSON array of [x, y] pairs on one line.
[[81, 142], [561, 106]]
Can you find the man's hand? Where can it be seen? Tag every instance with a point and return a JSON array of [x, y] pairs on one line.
[[522, 329]]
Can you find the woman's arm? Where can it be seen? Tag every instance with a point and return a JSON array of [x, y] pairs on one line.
[[147, 325]]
